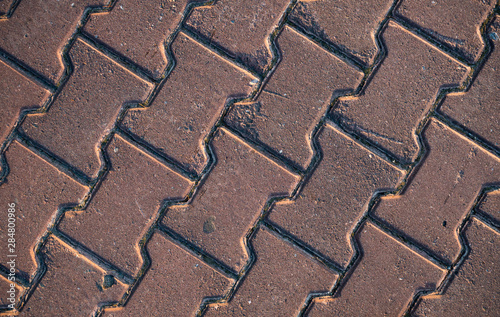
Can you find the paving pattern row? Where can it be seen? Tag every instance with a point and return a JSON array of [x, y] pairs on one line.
[[250, 158]]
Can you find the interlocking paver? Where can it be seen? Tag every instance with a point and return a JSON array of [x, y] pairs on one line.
[[38, 30], [8, 301], [189, 103], [5, 5], [37, 190], [473, 290], [240, 27], [491, 205], [295, 97], [336, 195], [85, 109], [175, 284], [478, 108], [124, 205], [71, 285], [138, 30], [384, 281], [230, 200], [441, 192], [400, 93], [279, 281], [454, 23], [16, 93], [349, 25]]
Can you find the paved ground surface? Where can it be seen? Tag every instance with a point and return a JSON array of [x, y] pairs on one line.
[[250, 158]]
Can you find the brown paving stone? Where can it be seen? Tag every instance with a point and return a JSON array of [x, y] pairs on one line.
[[478, 109], [350, 25], [279, 281], [491, 205], [5, 5], [240, 27], [138, 30], [174, 285], [124, 205], [455, 23], [295, 98], [400, 93], [16, 93], [71, 285], [474, 289], [7, 288], [441, 192], [37, 189], [39, 29], [85, 109], [230, 200], [189, 103], [383, 282], [335, 196]]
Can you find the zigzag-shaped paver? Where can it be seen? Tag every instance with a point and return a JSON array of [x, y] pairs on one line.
[[454, 23], [37, 190], [175, 285], [17, 94], [189, 103], [38, 30], [125, 205], [240, 27], [473, 290], [230, 200], [138, 30], [349, 25], [478, 109], [71, 285], [384, 280], [400, 93], [85, 109], [295, 97], [336, 195], [441, 191], [279, 281]]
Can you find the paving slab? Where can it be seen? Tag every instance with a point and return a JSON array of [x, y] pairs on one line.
[[249, 157], [384, 280], [474, 288], [454, 23], [349, 25]]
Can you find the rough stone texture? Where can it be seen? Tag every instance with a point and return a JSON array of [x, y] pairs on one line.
[[349, 25], [330, 204], [240, 27], [37, 189], [279, 281], [400, 93], [174, 285], [189, 103], [38, 30], [16, 93], [124, 205], [6, 288], [491, 205], [138, 30], [85, 109], [478, 109], [441, 192], [230, 200], [71, 284], [5, 5], [454, 23], [384, 281], [474, 289], [295, 97]]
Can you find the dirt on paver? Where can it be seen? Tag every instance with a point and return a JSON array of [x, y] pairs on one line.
[[249, 158]]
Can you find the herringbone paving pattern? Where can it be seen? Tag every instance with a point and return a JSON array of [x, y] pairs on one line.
[[249, 158]]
